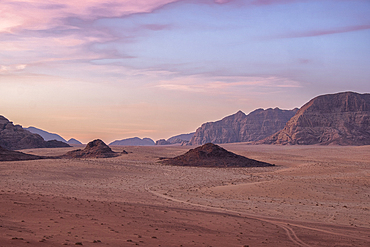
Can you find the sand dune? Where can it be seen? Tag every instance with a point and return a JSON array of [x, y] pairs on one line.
[[314, 196]]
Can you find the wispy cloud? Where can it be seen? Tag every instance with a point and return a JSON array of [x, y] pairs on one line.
[[5, 69], [34, 32], [270, 2], [224, 84], [313, 33], [36, 14]]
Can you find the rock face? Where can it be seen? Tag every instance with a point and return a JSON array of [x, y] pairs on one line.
[[94, 149], [162, 142], [15, 137], [182, 139], [342, 119], [239, 127], [8, 155], [211, 155], [135, 141]]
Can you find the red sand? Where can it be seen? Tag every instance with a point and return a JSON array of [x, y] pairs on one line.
[[315, 196]]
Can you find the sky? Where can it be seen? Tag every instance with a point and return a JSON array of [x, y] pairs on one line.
[[115, 69]]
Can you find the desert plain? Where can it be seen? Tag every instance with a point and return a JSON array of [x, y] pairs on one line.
[[313, 196]]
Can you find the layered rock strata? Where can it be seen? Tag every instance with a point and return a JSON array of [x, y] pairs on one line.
[[341, 119]]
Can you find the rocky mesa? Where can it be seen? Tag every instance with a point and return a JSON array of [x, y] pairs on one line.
[[341, 119], [135, 141], [239, 127]]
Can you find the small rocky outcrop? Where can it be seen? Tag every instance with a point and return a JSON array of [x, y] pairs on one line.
[[15, 137], [94, 149], [239, 127], [8, 155], [340, 119], [211, 155], [162, 142]]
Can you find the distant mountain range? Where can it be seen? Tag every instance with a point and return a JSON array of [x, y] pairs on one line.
[[73, 141], [51, 136], [135, 141], [341, 119]]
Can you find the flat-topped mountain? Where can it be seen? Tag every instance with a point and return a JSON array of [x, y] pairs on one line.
[[15, 137], [94, 149], [341, 118], [135, 141], [239, 127], [211, 155]]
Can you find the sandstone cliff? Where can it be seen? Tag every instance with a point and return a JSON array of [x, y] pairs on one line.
[[239, 127], [341, 118], [15, 137]]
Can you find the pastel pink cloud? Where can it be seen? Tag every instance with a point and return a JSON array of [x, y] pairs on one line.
[[36, 14]]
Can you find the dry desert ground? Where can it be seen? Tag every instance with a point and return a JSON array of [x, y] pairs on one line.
[[314, 196]]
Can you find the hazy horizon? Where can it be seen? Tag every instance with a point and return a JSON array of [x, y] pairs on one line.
[[113, 69]]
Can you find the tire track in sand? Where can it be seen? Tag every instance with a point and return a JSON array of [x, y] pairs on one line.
[[289, 231], [278, 222]]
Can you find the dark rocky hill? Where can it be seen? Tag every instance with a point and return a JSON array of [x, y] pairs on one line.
[[15, 137], [239, 127], [8, 155], [341, 118], [211, 155], [94, 149]]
